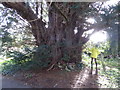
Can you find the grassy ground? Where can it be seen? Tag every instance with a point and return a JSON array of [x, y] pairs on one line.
[[112, 72], [110, 76]]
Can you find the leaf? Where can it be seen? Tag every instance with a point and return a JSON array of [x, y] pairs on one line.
[[13, 19]]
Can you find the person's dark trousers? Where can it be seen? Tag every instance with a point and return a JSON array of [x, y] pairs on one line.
[[92, 65]]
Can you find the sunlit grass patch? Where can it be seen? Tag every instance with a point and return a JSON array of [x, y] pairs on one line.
[[110, 77], [8, 66], [3, 59], [86, 59], [112, 74]]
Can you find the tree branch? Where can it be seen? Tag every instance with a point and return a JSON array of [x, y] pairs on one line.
[[25, 11], [60, 12]]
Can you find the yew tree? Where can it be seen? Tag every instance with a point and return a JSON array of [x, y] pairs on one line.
[[59, 32]]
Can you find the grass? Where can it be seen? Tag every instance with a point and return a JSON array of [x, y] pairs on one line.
[[112, 72], [110, 78]]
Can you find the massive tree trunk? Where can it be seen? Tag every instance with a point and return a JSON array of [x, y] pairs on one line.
[[63, 19]]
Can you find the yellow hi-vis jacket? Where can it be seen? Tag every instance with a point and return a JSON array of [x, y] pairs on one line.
[[94, 52]]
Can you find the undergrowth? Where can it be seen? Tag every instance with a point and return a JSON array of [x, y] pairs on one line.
[[112, 72], [35, 59], [110, 77]]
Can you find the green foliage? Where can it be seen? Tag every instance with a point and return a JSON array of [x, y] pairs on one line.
[[37, 58], [18, 61], [9, 67], [13, 19], [112, 61], [19, 57], [65, 57], [112, 71], [5, 36], [32, 59], [80, 65], [43, 51]]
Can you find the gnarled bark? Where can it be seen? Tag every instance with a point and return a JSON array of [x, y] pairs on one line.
[[62, 21]]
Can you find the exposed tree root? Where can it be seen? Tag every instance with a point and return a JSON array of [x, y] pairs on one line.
[[51, 67]]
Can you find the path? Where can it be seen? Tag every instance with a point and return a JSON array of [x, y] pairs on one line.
[[54, 79], [86, 80], [12, 83]]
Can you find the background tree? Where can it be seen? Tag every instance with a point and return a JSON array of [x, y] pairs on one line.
[[112, 19]]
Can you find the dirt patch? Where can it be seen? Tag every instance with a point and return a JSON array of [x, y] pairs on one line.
[[58, 79]]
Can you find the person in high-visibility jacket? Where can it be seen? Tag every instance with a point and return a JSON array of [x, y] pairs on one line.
[[94, 54]]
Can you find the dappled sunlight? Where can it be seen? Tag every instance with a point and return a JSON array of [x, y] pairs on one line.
[[105, 82], [91, 20], [85, 80], [110, 3], [79, 79], [3, 59]]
